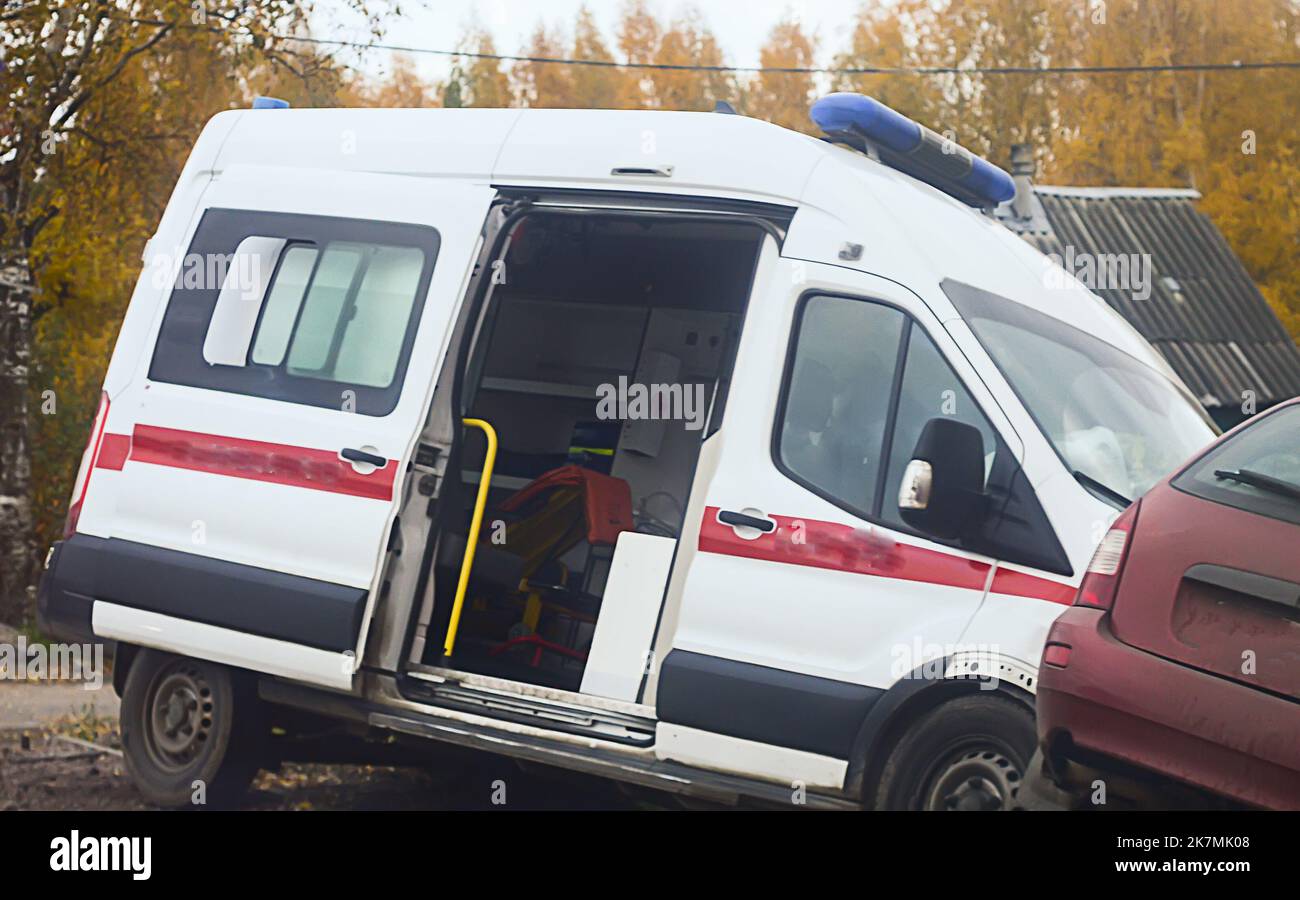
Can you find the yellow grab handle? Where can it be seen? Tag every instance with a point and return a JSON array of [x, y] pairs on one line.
[[480, 504]]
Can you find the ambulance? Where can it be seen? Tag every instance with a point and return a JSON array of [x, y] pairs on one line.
[[675, 448]]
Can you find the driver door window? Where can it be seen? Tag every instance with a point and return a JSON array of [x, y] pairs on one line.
[[862, 381], [929, 389], [836, 403]]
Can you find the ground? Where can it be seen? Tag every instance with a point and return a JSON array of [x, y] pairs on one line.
[[59, 749]]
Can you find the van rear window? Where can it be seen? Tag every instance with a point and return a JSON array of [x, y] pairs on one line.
[[335, 326]]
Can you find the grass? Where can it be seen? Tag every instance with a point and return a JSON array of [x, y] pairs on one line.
[[33, 634]]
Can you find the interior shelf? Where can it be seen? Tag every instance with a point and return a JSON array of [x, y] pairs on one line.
[[546, 388], [514, 482]]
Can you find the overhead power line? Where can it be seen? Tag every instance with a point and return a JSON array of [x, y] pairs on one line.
[[1235, 65]]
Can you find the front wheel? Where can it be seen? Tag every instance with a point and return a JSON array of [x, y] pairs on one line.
[[970, 753], [191, 730]]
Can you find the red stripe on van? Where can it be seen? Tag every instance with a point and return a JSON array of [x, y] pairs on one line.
[[113, 451], [844, 548], [305, 467], [1022, 584]]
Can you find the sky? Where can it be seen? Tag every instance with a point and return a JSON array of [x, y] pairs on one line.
[[741, 26]]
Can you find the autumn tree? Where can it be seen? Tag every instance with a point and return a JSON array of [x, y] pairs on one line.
[[1224, 133], [596, 87], [639, 33], [987, 113], [572, 86], [1232, 135], [783, 97], [103, 99], [641, 39], [544, 84], [402, 88], [477, 80], [686, 41]]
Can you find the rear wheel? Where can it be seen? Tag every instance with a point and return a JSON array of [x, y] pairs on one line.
[[191, 730], [971, 753]]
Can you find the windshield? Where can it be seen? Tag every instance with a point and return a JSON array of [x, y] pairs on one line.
[[1119, 425]]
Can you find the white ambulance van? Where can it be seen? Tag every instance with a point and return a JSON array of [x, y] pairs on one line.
[[676, 448]]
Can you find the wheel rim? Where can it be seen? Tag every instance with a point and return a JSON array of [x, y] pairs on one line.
[[180, 710], [983, 777]]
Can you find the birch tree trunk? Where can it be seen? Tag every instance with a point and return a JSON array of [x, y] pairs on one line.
[[18, 569]]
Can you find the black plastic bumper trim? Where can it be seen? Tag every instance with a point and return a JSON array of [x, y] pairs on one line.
[[62, 613], [758, 703], [257, 601]]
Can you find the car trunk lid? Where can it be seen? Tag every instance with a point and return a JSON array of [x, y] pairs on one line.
[[1214, 587]]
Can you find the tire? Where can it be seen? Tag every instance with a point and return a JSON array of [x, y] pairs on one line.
[[968, 753], [186, 720]]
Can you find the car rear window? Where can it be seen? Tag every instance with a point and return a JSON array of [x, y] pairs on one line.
[[1257, 469], [337, 322]]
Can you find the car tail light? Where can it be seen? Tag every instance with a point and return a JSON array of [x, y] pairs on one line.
[[1101, 580], [87, 463]]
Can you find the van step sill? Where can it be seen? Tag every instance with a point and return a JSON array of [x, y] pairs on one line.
[[600, 724], [557, 696], [660, 775], [632, 766]]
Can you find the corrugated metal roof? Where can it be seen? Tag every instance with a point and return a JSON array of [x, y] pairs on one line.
[[1204, 313]]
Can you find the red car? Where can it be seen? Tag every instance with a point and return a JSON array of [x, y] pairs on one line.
[[1174, 679]]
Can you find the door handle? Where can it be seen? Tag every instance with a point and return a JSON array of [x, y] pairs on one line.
[[361, 456], [741, 520]]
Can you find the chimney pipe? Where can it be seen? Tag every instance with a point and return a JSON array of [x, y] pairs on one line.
[[1022, 173]]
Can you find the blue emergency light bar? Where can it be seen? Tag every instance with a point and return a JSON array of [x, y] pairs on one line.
[[260, 102], [910, 147]]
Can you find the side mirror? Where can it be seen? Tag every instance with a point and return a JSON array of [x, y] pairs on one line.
[[942, 492]]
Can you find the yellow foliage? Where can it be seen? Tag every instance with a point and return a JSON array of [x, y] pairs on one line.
[[784, 97], [111, 180], [1231, 135]]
